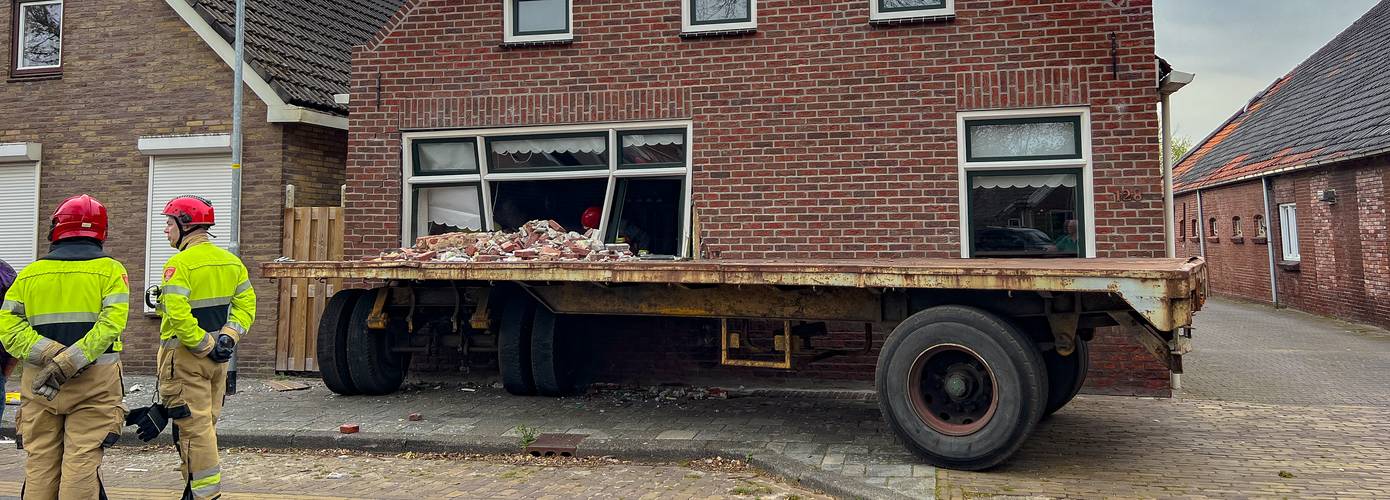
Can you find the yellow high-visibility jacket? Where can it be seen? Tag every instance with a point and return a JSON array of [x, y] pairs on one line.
[[205, 289], [76, 296]]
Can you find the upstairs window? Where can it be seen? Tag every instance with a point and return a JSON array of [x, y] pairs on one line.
[[38, 38], [538, 21], [894, 10], [718, 15]]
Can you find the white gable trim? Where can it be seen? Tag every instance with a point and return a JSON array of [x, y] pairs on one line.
[[277, 110]]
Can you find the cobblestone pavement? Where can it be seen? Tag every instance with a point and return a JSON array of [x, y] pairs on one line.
[[1253, 428], [152, 472], [1256, 353]]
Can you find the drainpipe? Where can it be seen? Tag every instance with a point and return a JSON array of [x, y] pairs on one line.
[[1273, 280], [1171, 83], [1201, 227]]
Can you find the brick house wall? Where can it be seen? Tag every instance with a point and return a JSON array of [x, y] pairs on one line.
[[819, 136], [1344, 270], [122, 81]]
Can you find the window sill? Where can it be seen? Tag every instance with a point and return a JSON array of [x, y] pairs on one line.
[[34, 77], [892, 22], [719, 33], [1261, 240], [1214, 239], [1239, 240], [534, 43], [1289, 265]]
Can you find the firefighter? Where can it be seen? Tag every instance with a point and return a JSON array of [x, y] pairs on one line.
[[64, 316], [207, 305]]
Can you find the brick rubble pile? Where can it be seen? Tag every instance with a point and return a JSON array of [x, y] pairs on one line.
[[538, 240]]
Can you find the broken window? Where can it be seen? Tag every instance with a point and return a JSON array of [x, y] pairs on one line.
[[647, 215], [517, 202], [447, 209], [1025, 214]]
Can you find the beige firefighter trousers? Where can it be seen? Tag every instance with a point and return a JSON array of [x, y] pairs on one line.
[[200, 383], [66, 438]]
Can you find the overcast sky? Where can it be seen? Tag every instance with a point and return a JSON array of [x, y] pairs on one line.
[[1238, 47]]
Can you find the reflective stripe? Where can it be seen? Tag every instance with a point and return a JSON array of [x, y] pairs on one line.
[[244, 286], [13, 306], [206, 483], [115, 299], [212, 302], [171, 343], [109, 358], [174, 290], [36, 351], [203, 344], [240, 330], [49, 319]]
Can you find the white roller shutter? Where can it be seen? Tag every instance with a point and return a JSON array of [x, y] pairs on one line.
[[170, 176], [19, 213]]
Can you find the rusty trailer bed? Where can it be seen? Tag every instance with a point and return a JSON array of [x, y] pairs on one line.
[[1165, 291]]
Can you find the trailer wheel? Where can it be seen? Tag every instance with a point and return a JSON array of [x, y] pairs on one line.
[[960, 387], [375, 370], [514, 345], [1065, 375], [332, 342], [561, 362]]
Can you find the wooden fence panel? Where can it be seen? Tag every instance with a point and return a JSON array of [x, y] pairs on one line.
[[311, 233]]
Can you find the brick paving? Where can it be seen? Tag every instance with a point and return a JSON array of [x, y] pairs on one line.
[[1243, 422], [152, 472]]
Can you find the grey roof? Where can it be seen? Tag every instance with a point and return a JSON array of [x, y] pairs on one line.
[[303, 48], [1330, 108]]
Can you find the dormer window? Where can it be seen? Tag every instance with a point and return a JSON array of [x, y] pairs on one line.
[[538, 21], [704, 16], [38, 38], [899, 10]]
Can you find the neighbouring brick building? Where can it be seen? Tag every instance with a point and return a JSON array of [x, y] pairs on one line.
[[1287, 200], [769, 129], [137, 111]]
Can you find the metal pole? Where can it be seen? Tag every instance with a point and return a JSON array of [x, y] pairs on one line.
[[1170, 243], [234, 239]]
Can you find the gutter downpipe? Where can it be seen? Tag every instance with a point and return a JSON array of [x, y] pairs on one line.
[[1273, 279], [1169, 245], [1201, 227]]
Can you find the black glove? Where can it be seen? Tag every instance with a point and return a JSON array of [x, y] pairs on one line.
[[150, 419], [222, 352]]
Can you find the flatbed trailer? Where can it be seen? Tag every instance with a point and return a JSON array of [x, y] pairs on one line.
[[979, 350]]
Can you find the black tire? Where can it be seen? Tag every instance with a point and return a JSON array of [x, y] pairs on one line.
[[374, 369], [1065, 375], [332, 341], [1011, 386], [561, 362], [514, 345]]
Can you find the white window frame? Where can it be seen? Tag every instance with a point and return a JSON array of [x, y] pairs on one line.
[[1084, 163], [1288, 232], [19, 34], [509, 34], [21, 155], [688, 24], [485, 177], [877, 14]]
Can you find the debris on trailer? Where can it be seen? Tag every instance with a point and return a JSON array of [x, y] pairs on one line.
[[538, 240]]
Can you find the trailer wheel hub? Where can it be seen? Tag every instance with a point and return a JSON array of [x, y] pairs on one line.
[[953, 390]]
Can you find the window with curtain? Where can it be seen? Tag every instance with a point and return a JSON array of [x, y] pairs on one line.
[[1026, 214], [448, 209], [548, 153]]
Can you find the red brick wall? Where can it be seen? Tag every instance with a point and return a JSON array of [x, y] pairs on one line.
[[818, 136], [124, 80], [1344, 270], [1237, 267]]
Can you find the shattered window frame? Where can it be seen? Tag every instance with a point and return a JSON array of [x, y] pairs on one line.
[[483, 210], [487, 175]]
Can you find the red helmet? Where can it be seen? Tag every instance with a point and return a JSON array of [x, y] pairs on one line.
[[190, 211], [591, 218], [80, 216]]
